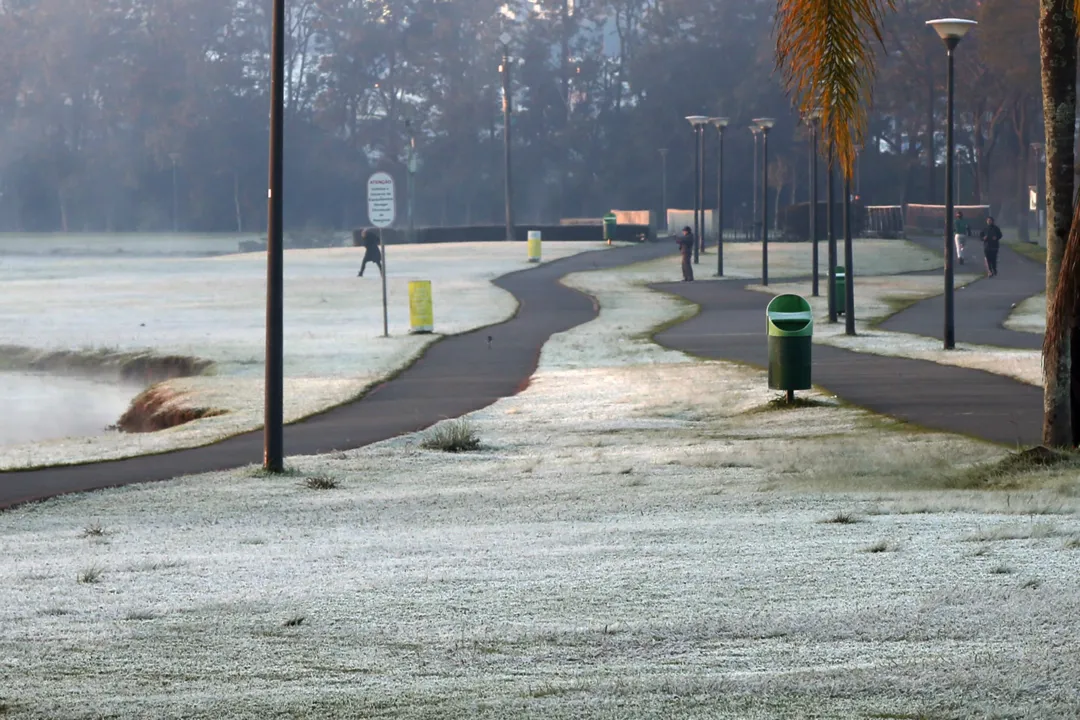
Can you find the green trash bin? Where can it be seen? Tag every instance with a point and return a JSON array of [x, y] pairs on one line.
[[790, 322], [840, 289], [609, 227]]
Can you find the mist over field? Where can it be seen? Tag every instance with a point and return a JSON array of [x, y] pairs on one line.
[[44, 407]]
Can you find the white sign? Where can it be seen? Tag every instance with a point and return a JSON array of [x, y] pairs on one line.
[[381, 207], [1033, 198]]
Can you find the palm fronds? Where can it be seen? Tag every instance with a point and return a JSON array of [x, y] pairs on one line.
[[826, 51]]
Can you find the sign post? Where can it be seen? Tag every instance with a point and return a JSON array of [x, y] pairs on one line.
[[382, 210]]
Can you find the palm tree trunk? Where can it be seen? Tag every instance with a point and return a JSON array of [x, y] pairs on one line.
[[1057, 38]]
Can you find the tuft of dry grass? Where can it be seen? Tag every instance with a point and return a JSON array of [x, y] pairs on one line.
[[94, 530], [321, 482], [1031, 531], [90, 575], [842, 518], [455, 436], [881, 546]]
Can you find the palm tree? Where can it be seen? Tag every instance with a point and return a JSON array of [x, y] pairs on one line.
[[827, 48]]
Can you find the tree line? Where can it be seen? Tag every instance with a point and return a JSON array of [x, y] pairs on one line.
[[145, 115]]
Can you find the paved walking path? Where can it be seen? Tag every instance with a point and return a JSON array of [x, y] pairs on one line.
[[455, 376], [731, 326], [980, 309], [464, 373]]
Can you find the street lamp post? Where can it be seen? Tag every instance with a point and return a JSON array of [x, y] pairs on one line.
[[756, 131], [812, 121], [663, 187], [411, 185], [274, 392], [830, 202], [720, 123], [698, 122], [849, 262], [766, 124], [505, 39], [951, 30], [175, 158]]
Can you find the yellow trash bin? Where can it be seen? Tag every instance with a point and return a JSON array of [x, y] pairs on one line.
[[421, 313], [534, 246]]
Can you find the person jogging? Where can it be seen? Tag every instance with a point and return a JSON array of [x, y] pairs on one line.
[[686, 248], [991, 239], [370, 240], [961, 231]]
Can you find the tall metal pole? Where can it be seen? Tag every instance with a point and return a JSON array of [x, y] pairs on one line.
[[701, 187], [720, 203], [849, 260], [764, 206], [411, 187], [507, 111], [753, 192], [814, 201], [831, 231], [697, 194], [175, 197], [273, 405], [663, 187], [950, 329]]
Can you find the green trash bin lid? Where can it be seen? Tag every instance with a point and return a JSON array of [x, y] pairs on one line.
[[840, 271], [790, 316]]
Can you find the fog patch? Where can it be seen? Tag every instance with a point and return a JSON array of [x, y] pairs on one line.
[[40, 407]]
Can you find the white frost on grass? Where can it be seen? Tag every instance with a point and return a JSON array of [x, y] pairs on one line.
[[875, 299], [629, 311], [1029, 316], [214, 308], [630, 537], [742, 260], [641, 541]]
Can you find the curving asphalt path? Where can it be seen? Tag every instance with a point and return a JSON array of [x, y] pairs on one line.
[[457, 375], [980, 309], [464, 373], [731, 326]]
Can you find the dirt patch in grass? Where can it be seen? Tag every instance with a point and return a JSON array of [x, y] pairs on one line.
[[144, 368], [159, 408], [781, 402], [1017, 470]]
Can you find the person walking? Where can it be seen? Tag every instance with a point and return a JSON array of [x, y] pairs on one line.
[[370, 240], [961, 230], [991, 239], [686, 248]]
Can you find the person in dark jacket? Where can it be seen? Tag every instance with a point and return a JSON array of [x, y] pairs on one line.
[[991, 239], [686, 248], [370, 240]]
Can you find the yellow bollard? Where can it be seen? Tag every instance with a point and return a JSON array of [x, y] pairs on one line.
[[421, 313], [534, 246]]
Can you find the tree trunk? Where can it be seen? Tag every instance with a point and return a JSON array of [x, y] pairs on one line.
[[1057, 40]]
